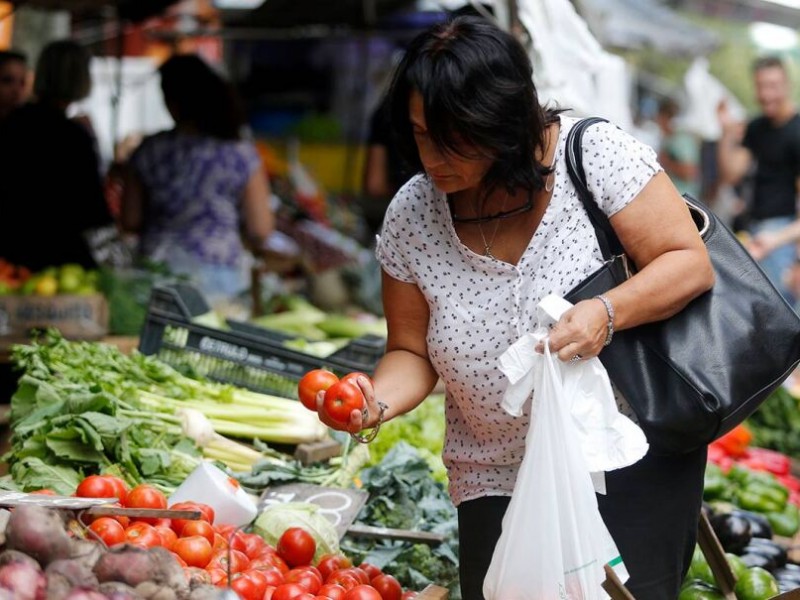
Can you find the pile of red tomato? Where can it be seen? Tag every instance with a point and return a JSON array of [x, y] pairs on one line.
[[227, 557]]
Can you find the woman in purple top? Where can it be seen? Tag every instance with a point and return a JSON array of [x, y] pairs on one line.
[[194, 191]]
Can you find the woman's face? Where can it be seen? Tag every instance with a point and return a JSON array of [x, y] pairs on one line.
[[450, 172]]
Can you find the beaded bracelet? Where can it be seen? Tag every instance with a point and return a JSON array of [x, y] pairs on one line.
[[610, 325], [366, 439]]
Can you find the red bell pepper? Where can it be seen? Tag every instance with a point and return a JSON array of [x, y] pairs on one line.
[[736, 441], [773, 461], [790, 482]]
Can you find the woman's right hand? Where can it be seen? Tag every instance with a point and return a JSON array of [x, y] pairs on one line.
[[359, 420]]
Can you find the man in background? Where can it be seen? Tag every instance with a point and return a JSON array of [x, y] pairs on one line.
[[770, 147]]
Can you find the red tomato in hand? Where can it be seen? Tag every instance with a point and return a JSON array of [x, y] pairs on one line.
[[313, 383], [109, 530], [142, 534], [195, 550], [387, 586], [341, 400], [297, 547], [353, 377], [96, 486], [363, 592]]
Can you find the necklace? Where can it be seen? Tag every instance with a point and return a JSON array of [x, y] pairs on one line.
[[487, 246]]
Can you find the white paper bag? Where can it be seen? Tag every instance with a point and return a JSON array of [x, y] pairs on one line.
[[554, 544]]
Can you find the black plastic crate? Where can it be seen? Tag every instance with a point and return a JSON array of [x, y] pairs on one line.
[[246, 356]]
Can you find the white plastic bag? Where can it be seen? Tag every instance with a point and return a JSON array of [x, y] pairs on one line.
[[609, 440], [554, 544]]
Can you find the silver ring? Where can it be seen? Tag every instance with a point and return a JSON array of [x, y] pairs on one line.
[[576, 358]]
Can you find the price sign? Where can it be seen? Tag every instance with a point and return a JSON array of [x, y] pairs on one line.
[[340, 506]]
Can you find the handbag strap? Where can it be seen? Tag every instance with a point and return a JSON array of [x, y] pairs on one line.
[[610, 245]]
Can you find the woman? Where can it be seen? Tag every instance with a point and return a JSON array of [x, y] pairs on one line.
[[50, 192], [191, 191], [489, 226]]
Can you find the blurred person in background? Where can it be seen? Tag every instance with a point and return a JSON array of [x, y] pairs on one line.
[[194, 192], [384, 174], [50, 193], [13, 81], [770, 147], [679, 151]]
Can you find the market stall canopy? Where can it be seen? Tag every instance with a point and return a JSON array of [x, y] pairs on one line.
[[638, 24], [779, 12], [133, 10], [290, 13]]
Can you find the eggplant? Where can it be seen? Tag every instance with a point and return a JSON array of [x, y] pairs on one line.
[[756, 560], [759, 525], [782, 573], [792, 568], [768, 548], [732, 530]]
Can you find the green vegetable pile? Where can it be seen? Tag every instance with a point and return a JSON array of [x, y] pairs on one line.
[[755, 491], [128, 294], [66, 430], [403, 495], [84, 407], [776, 424], [424, 428]]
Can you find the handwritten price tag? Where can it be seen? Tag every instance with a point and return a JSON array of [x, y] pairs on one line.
[[340, 506]]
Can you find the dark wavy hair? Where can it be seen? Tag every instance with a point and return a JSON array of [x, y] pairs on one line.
[[200, 96], [476, 83]]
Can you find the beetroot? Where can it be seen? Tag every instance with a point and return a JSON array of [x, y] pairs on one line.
[[39, 533], [26, 581], [114, 590], [12, 556], [126, 564], [82, 593], [77, 573]]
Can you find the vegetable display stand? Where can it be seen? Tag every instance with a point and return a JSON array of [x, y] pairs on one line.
[[244, 355]]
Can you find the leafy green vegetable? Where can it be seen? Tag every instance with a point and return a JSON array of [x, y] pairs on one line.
[[776, 423], [424, 428], [277, 518], [404, 495]]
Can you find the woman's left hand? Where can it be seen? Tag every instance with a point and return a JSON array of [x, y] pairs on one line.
[[581, 331]]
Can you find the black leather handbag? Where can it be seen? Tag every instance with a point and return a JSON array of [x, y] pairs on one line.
[[695, 376]]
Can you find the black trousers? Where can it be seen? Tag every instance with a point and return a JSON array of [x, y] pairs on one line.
[[651, 510]]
